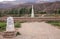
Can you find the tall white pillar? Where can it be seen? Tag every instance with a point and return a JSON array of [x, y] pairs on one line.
[[32, 13]]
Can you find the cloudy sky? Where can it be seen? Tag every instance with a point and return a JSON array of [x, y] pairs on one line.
[[28, 0], [6, 0]]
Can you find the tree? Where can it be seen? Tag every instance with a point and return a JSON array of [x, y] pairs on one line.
[[23, 11], [59, 11], [11, 11], [0, 14], [42, 12], [30, 10]]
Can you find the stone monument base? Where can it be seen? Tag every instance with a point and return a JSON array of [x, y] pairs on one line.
[[9, 34]]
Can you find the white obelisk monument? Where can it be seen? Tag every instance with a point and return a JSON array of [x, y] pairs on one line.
[[10, 24], [32, 13]]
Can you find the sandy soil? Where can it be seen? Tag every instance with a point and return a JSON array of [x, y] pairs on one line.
[[38, 30]]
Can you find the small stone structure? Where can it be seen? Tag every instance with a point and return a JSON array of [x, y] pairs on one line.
[[9, 34], [10, 30]]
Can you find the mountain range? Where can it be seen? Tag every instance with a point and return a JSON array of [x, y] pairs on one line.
[[45, 6], [8, 4]]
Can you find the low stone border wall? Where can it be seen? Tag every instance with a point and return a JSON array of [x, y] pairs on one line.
[[29, 19]]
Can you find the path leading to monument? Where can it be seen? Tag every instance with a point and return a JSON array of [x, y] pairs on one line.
[[38, 30]]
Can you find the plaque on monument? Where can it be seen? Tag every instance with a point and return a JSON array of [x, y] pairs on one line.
[[10, 24]]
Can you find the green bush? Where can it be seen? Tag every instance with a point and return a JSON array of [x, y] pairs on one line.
[[3, 25], [17, 25], [55, 23]]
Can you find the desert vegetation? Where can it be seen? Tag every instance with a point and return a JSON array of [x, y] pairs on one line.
[[3, 25], [55, 23], [25, 9], [24, 12]]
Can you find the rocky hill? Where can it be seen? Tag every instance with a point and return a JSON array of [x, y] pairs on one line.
[[48, 6]]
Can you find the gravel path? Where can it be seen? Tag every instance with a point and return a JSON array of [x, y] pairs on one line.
[[38, 30]]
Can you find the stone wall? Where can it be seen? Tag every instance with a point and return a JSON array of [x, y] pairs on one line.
[[29, 19]]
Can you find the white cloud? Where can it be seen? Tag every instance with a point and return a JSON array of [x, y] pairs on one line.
[[1, 0], [6, 0], [41, 1]]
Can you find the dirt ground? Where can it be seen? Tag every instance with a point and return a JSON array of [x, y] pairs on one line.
[[37, 30]]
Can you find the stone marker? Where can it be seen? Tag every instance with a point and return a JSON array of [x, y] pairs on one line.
[[10, 30], [10, 24]]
